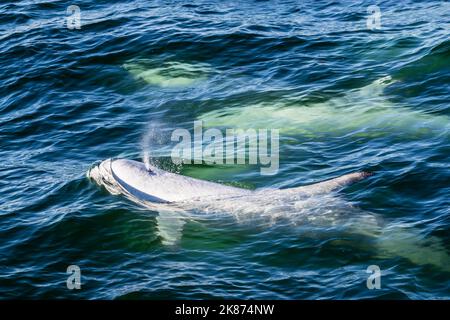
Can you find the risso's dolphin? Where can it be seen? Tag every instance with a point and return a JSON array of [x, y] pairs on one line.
[[151, 184], [364, 112], [165, 191], [168, 74], [178, 198]]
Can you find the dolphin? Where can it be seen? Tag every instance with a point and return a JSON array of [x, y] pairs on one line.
[[170, 193], [150, 184], [179, 198], [363, 112], [171, 74]]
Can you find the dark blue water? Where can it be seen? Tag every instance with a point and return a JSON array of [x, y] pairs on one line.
[[69, 98]]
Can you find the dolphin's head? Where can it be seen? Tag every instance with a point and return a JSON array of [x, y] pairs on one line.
[[101, 173], [123, 176]]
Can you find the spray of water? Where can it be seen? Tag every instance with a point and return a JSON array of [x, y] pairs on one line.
[[156, 145], [151, 140], [146, 151]]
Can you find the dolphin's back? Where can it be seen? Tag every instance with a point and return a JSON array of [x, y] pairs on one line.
[[161, 186], [156, 185]]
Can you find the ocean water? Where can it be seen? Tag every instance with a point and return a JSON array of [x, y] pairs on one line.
[[345, 98]]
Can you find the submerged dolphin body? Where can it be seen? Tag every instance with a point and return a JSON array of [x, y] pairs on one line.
[[179, 198], [361, 112], [169, 74]]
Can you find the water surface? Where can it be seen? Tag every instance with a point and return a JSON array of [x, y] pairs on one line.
[[72, 97]]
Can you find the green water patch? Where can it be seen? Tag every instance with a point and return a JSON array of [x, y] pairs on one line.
[[434, 61], [207, 235], [219, 173]]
